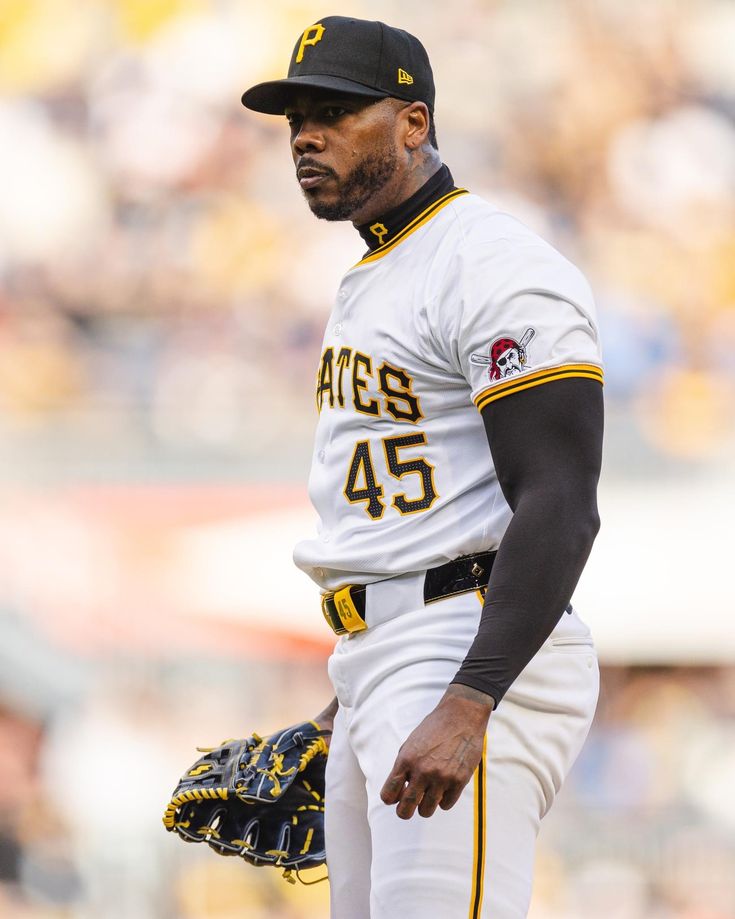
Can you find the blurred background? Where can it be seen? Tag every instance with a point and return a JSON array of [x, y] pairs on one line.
[[162, 294]]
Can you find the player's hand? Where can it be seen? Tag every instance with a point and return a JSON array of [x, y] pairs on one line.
[[440, 756], [325, 718]]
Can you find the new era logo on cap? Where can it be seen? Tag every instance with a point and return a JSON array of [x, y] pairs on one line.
[[355, 56]]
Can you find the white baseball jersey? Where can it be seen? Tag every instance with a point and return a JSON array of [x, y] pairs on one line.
[[464, 306]]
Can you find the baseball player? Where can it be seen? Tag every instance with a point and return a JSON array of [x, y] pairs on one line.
[[454, 474]]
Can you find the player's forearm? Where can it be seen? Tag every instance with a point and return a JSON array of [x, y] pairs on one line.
[[531, 584]]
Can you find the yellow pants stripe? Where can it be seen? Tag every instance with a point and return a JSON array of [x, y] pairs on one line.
[[478, 862]]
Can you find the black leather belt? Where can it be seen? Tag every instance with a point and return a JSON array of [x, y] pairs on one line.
[[344, 609]]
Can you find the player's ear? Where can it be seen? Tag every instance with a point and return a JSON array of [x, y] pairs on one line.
[[416, 119]]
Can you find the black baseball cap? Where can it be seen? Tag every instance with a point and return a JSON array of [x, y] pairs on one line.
[[353, 56]]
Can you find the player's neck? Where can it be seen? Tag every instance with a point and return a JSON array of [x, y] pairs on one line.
[[382, 230]]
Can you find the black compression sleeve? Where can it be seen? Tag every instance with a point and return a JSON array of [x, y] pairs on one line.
[[546, 444]]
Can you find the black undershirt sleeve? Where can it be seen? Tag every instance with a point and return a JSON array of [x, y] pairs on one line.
[[546, 444]]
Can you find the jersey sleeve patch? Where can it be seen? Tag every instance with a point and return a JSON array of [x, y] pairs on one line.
[[518, 380], [506, 357]]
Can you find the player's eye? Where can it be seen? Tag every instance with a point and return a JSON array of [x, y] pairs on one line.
[[334, 111]]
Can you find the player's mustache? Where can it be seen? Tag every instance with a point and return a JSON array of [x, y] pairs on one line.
[[307, 166]]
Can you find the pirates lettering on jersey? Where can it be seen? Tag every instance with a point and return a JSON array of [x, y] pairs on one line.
[[324, 382], [394, 384]]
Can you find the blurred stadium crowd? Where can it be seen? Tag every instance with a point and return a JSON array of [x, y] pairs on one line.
[[162, 294], [161, 284]]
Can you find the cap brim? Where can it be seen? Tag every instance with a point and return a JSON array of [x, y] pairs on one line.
[[272, 98]]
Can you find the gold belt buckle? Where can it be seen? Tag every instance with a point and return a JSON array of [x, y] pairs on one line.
[[346, 610], [326, 612]]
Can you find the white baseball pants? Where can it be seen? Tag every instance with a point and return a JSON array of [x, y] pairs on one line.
[[474, 861]]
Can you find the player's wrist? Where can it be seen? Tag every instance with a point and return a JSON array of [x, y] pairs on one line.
[[461, 692], [325, 718]]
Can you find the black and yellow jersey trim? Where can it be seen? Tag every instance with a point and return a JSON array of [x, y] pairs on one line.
[[431, 211], [538, 378]]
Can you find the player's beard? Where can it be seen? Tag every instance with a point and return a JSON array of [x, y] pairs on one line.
[[364, 180]]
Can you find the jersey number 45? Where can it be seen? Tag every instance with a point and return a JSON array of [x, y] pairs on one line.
[[362, 482]]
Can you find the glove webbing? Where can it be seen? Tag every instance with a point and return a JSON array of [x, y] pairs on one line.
[[200, 794]]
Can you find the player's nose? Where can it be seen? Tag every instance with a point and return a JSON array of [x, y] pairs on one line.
[[308, 138]]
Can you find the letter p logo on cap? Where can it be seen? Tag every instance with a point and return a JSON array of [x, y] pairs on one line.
[[311, 36]]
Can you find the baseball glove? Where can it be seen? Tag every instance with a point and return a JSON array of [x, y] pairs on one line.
[[261, 799]]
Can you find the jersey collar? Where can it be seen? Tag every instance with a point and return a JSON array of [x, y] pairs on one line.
[[383, 234]]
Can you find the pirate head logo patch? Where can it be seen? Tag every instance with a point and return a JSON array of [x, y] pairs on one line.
[[506, 356]]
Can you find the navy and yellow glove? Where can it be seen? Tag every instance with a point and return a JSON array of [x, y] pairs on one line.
[[259, 798]]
